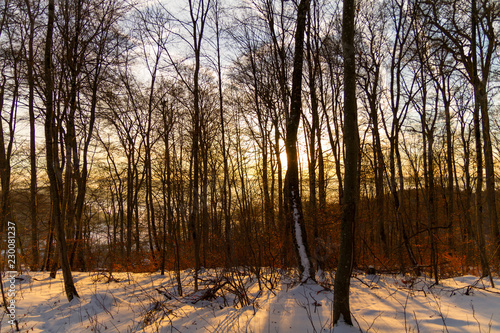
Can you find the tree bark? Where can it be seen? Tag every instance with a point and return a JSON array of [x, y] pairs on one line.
[[33, 165], [226, 185], [479, 156], [292, 190], [198, 13], [53, 172], [341, 308]]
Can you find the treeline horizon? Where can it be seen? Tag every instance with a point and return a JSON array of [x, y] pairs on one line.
[[146, 137]]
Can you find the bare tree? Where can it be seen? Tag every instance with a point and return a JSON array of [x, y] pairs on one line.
[[53, 168], [292, 188], [341, 308], [194, 27], [33, 10], [468, 31], [370, 81], [153, 33], [401, 89], [226, 186]]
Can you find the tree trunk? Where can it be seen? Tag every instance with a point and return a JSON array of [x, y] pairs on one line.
[[226, 186], [33, 165], [292, 190], [450, 212], [314, 129], [55, 177], [479, 156], [5, 167], [341, 308], [489, 168]]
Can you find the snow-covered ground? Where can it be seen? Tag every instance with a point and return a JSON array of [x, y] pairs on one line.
[[150, 303]]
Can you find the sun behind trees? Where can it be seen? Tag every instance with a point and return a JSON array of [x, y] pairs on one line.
[[148, 137]]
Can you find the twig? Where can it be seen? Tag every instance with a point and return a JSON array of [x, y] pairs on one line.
[[474, 316]]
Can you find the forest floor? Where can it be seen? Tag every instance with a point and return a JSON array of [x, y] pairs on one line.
[[233, 302]]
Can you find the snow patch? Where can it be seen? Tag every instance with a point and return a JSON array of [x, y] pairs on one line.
[[304, 260], [379, 303]]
